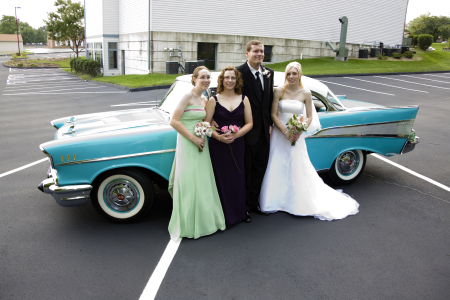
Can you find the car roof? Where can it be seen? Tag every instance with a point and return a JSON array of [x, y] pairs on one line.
[[308, 82]]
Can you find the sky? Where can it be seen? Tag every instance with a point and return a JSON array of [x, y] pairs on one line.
[[33, 11]]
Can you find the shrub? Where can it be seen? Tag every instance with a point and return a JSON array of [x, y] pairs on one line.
[[76, 64], [397, 55], [33, 65], [425, 41], [20, 64], [381, 56], [24, 56], [14, 57], [91, 67], [408, 54]]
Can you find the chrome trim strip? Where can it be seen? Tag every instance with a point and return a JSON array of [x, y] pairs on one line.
[[360, 135], [74, 198], [116, 157], [53, 124], [399, 128]]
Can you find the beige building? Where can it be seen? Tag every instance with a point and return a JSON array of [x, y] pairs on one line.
[[8, 44]]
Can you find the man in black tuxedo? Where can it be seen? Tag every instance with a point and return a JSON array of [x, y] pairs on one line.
[[258, 87]]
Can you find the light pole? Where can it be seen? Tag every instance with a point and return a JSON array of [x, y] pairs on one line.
[[17, 29]]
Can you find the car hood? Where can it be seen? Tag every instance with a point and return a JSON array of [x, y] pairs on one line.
[[111, 121]]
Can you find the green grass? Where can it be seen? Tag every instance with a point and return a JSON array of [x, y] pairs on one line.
[[135, 81], [431, 61], [62, 63]]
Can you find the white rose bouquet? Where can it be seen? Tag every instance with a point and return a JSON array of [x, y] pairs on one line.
[[203, 129], [296, 124]]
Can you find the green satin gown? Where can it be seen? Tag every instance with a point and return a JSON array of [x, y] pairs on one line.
[[197, 210]]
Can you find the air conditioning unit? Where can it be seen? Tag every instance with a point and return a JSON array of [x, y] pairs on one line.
[[201, 62], [171, 67], [190, 66]]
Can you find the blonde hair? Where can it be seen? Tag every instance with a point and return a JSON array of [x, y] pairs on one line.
[[195, 73], [291, 65]]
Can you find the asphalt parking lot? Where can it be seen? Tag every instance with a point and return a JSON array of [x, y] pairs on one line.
[[397, 247]]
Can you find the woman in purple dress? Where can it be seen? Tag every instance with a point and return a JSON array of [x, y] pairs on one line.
[[230, 107]]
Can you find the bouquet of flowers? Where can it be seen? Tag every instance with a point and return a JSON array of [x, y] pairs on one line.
[[230, 129], [203, 129], [296, 124]]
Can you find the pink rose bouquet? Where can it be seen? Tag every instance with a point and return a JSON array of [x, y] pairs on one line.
[[231, 129]]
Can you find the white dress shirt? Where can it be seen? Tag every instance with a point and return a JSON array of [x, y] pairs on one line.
[[260, 74]]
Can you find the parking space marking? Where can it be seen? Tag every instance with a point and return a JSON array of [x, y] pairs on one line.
[[438, 75], [426, 78], [45, 93], [398, 87], [412, 172], [353, 87], [152, 102], [24, 167], [152, 287], [20, 88], [433, 86], [60, 90]]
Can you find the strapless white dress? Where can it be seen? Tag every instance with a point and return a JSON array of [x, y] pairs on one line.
[[291, 183]]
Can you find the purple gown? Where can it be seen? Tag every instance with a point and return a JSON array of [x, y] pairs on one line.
[[230, 183]]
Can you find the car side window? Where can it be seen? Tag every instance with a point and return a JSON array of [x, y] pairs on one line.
[[318, 104]]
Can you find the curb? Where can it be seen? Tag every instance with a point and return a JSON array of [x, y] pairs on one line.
[[374, 74], [28, 67], [124, 88]]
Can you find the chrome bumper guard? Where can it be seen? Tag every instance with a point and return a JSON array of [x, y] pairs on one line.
[[69, 195], [410, 145]]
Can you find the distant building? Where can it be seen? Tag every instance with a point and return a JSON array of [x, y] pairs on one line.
[[8, 43], [65, 44], [130, 36]]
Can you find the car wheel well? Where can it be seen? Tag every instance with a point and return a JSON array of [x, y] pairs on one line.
[[160, 181]]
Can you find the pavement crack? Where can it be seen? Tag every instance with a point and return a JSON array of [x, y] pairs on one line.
[[406, 187]]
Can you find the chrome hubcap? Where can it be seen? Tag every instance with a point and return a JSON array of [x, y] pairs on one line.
[[121, 195], [348, 162]]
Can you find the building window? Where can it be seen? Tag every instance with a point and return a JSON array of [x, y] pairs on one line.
[[98, 57], [112, 55], [267, 53], [98, 45], [89, 45], [90, 54], [207, 52]]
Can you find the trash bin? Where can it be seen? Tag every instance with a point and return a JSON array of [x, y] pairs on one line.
[[374, 52], [363, 53], [171, 67]]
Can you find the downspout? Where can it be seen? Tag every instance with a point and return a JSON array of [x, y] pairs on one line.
[[85, 37], [150, 39]]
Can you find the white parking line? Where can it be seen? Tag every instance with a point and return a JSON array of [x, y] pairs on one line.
[[18, 88], [60, 90], [412, 172], [66, 93], [438, 75], [433, 86], [426, 79], [24, 167], [157, 277], [398, 87], [138, 103], [352, 87]]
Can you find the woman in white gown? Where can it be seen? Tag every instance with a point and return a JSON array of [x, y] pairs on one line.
[[291, 183]]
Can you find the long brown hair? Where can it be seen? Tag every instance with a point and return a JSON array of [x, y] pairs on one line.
[[239, 81]]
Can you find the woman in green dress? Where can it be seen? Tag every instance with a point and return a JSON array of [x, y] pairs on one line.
[[196, 205]]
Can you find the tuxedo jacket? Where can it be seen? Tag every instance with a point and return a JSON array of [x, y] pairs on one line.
[[261, 107]]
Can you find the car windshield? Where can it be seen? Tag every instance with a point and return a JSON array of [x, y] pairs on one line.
[[174, 95], [335, 101]]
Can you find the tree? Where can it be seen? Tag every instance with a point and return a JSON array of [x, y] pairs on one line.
[[8, 25], [27, 32], [67, 24], [41, 35], [427, 24], [425, 41]]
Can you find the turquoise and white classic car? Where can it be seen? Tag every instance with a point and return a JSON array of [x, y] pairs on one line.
[[115, 158]]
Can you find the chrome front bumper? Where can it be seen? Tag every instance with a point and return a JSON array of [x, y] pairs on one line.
[[69, 195]]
